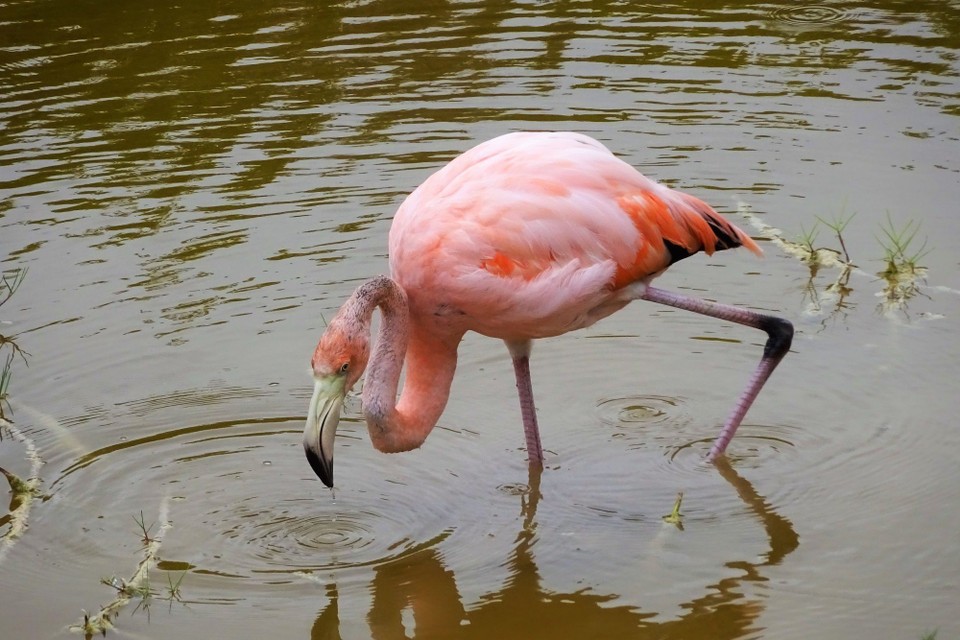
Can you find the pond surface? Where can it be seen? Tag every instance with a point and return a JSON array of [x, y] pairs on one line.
[[194, 187]]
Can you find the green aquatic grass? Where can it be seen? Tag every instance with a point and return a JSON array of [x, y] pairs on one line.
[[5, 383], [838, 224], [10, 281], [144, 532], [24, 491], [807, 239], [137, 587], [675, 517], [902, 275], [902, 272], [900, 252], [173, 588]]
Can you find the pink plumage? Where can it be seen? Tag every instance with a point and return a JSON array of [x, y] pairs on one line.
[[532, 235]]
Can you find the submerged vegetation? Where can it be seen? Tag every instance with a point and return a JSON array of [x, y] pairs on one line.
[[10, 281], [901, 276], [675, 517], [137, 587], [902, 272], [23, 491]]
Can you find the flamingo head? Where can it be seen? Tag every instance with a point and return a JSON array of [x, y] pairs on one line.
[[337, 364]]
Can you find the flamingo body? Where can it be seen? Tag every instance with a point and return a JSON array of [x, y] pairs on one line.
[[525, 236], [531, 235]]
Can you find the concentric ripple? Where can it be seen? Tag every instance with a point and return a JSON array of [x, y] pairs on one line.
[[811, 15], [243, 502], [278, 539], [640, 409], [662, 424]]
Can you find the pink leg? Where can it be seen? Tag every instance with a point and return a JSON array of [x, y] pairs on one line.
[[520, 351], [779, 336]]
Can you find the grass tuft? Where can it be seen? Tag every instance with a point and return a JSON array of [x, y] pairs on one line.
[[10, 281], [902, 272], [144, 532], [675, 517], [838, 224], [24, 490], [137, 587], [897, 242], [902, 275]]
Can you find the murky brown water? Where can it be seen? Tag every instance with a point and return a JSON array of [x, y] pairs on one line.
[[193, 187]]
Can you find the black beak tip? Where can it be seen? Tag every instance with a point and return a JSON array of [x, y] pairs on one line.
[[324, 470]]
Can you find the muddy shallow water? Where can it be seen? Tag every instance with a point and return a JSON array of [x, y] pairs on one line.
[[194, 188]]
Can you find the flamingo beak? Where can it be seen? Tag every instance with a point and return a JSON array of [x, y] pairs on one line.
[[323, 417]]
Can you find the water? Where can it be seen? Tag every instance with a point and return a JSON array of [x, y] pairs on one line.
[[194, 188]]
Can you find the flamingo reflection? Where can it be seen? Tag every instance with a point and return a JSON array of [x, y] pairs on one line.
[[422, 584]]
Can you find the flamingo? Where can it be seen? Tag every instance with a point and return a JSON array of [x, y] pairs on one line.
[[525, 236]]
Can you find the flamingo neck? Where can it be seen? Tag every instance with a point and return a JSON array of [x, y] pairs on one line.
[[401, 425]]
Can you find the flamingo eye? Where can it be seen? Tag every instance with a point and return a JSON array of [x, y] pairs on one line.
[[344, 367]]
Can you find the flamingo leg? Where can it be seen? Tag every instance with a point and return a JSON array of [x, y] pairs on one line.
[[779, 336], [520, 352]]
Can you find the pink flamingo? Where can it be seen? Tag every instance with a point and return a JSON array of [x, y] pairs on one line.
[[525, 236]]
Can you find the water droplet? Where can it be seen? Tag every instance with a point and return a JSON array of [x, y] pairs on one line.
[[267, 463]]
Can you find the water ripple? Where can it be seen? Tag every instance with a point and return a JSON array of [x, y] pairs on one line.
[[242, 493], [812, 15], [640, 409]]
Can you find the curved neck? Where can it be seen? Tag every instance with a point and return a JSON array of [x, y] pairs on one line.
[[431, 361]]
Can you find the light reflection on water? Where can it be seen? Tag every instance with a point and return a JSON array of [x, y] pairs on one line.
[[195, 188]]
